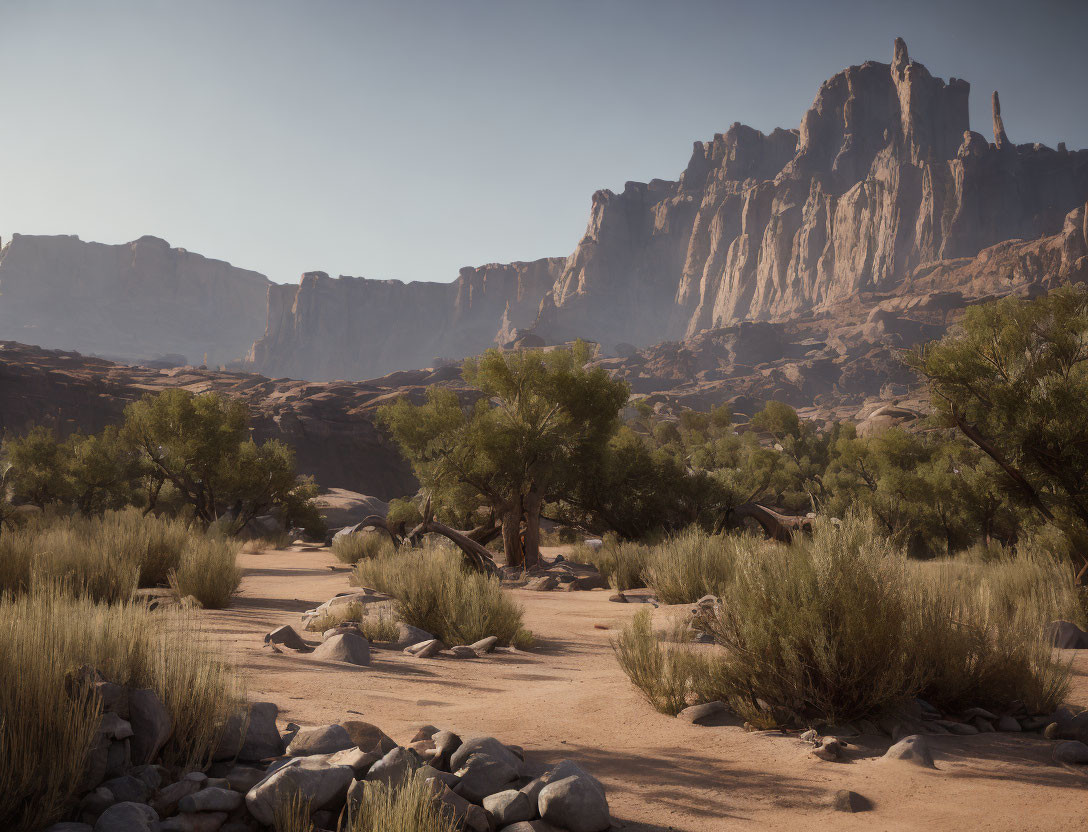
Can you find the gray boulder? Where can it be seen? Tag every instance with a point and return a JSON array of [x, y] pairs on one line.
[[485, 645], [425, 649], [1073, 752], [509, 806], [344, 647], [1067, 636], [463, 651], [211, 800], [324, 739], [151, 724], [482, 775], [127, 817], [287, 636], [913, 749], [168, 797], [394, 767], [198, 822], [313, 780], [576, 803], [702, 714], [250, 734], [482, 745]]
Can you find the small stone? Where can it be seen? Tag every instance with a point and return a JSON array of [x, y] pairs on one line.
[[463, 651], [1008, 723], [195, 777], [424, 732], [702, 714], [1066, 635], [69, 826], [168, 797], [1051, 731], [962, 728], [485, 645], [848, 801], [244, 778], [576, 803], [324, 739], [809, 736], [211, 800], [545, 583], [1073, 752], [617, 598], [830, 749], [356, 759], [913, 749]]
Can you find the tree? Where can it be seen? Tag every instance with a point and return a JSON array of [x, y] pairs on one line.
[[200, 445], [1012, 379], [103, 471], [40, 467], [542, 423]]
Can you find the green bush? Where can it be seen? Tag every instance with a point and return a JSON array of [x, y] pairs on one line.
[[663, 675], [352, 548], [47, 726], [689, 565], [435, 592]]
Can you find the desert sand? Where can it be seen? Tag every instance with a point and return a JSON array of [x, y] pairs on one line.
[[569, 698]]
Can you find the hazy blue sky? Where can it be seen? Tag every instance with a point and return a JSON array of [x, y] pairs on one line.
[[406, 139]]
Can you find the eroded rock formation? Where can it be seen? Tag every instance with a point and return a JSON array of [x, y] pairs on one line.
[[133, 301]]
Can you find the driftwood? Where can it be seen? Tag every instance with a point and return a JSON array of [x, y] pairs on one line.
[[776, 526], [476, 555]]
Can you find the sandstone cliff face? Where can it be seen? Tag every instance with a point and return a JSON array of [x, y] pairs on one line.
[[131, 301], [353, 327], [883, 177]]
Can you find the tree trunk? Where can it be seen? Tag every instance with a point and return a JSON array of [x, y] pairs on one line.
[[533, 502], [511, 533]]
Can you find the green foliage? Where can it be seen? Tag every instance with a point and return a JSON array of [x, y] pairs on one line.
[[436, 593], [403, 514], [39, 467], [662, 675], [352, 548], [1012, 379], [47, 726]]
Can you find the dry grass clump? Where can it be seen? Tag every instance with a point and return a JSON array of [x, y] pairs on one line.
[[375, 626], [352, 548], [436, 593], [46, 732], [281, 540], [106, 558], [621, 563], [687, 566], [841, 626], [410, 806]]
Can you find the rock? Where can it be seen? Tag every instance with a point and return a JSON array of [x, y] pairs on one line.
[[198, 777], [545, 583], [961, 728], [168, 797], [261, 738], [576, 803], [356, 759], [312, 779], [463, 651], [118, 758], [1051, 731], [95, 802], [480, 745], [394, 767], [127, 817], [69, 826], [701, 714], [530, 826], [288, 637], [913, 749], [1007, 723], [1073, 752], [324, 739], [407, 637], [445, 744], [424, 732], [983, 726], [482, 775], [830, 749], [202, 822], [211, 800], [369, 737], [978, 712], [465, 814], [114, 727], [509, 806], [484, 645], [243, 778], [151, 723], [618, 598], [345, 647], [845, 800], [1067, 636], [425, 649], [128, 789]]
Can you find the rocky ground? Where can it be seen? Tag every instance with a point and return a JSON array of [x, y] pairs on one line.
[[567, 698]]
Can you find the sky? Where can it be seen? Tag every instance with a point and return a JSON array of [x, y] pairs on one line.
[[406, 139]]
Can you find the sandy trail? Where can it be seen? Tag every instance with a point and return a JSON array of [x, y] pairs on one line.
[[568, 698]]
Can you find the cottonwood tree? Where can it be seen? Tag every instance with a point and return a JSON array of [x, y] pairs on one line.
[[1013, 379], [541, 425]]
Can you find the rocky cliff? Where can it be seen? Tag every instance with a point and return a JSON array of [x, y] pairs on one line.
[[353, 327], [883, 177], [132, 301]]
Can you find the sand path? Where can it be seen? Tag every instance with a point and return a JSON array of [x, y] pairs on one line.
[[568, 698]]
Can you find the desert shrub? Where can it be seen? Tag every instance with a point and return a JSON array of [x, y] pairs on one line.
[[47, 727], [277, 541], [410, 807], [621, 563], [435, 592], [352, 548], [663, 675], [689, 565], [208, 570], [523, 639], [375, 626], [106, 558], [841, 626]]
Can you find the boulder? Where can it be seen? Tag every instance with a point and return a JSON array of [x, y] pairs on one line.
[[484, 645], [127, 817], [425, 649], [114, 727], [312, 779], [466, 815], [167, 800], [1073, 752], [830, 749], [244, 778], [356, 759], [344, 647], [324, 739], [545, 583], [509, 806], [394, 767], [576, 803], [845, 800], [287, 636], [481, 745], [482, 775], [251, 734], [914, 749], [445, 744], [128, 789], [151, 724], [211, 800], [369, 737], [69, 826], [1008, 723], [463, 651], [701, 714], [1067, 636], [201, 822]]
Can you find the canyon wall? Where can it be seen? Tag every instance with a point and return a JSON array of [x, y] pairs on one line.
[[131, 302]]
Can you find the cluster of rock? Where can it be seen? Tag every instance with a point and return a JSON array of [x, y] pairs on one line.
[[481, 783], [559, 574]]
